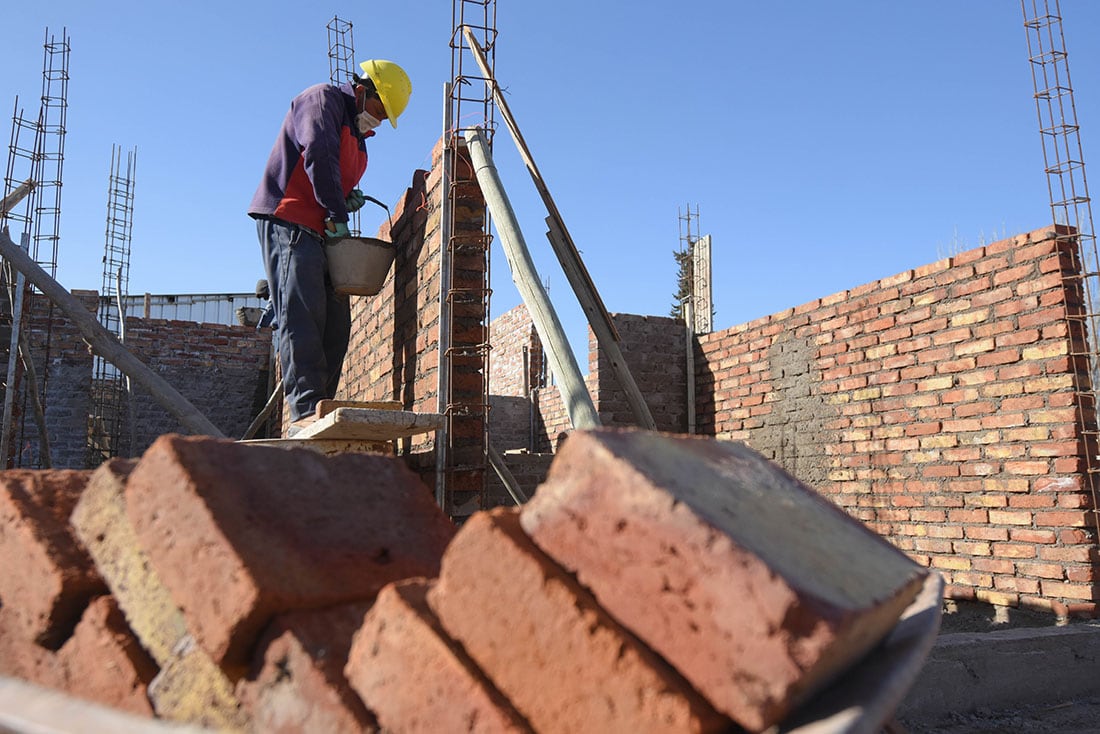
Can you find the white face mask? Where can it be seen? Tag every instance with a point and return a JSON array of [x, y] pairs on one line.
[[366, 122]]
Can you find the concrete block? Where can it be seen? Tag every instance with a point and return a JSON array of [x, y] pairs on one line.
[[104, 662], [297, 683], [415, 678], [189, 683], [238, 534], [757, 589], [545, 643], [48, 578]]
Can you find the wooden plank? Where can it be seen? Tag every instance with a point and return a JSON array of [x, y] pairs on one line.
[[371, 424], [29, 709], [569, 252], [326, 446], [8, 202], [324, 407]]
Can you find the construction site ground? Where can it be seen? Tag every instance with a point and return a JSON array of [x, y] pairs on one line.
[[1017, 672]]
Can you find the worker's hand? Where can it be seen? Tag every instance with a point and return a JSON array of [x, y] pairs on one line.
[[355, 200], [336, 230]]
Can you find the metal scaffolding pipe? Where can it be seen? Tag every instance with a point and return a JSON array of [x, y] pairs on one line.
[[578, 403], [572, 265]]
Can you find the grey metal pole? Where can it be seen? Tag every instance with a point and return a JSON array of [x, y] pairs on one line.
[[605, 337], [578, 403], [572, 265]]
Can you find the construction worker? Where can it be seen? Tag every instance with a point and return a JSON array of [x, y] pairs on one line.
[[305, 196]]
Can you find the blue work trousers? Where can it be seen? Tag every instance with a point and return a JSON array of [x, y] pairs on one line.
[[313, 322]]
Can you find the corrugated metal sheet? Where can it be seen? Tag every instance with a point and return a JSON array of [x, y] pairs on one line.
[[201, 308]]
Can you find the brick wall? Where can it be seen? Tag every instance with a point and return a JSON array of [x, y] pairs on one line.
[[383, 362], [533, 422], [394, 350], [222, 370], [655, 351], [552, 419], [937, 406], [516, 368], [517, 365], [63, 366]]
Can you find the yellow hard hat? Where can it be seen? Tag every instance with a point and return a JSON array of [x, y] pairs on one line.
[[392, 85]]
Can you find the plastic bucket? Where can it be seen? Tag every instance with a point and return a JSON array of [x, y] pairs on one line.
[[358, 266]]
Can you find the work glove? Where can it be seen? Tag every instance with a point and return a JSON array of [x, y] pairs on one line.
[[336, 230], [355, 201]]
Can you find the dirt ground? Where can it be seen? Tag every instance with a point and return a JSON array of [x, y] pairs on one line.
[[1077, 716]]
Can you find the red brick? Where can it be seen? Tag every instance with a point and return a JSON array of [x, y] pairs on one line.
[[239, 533], [545, 643], [48, 578], [415, 678], [656, 527], [21, 658], [189, 686], [104, 662], [297, 683]]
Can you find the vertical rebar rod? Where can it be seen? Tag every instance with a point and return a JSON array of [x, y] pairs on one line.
[[1071, 210], [51, 153], [341, 66], [689, 352], [470, 107], [444, 374], [341, 51], [108, 383]]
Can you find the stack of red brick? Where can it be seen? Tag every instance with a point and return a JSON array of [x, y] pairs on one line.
[[649, 586]]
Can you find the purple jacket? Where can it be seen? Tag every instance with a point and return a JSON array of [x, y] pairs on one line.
[[317, 159]]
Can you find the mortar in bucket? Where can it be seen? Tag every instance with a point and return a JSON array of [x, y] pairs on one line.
[[358, 266]]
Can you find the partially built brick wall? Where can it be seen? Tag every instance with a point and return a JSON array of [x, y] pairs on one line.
[[936, 405], [63, 368], [394, 349], [655, 351], [516, 371], [222, 370]]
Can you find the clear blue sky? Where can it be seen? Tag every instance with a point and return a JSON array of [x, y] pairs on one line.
[[825, 144]]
